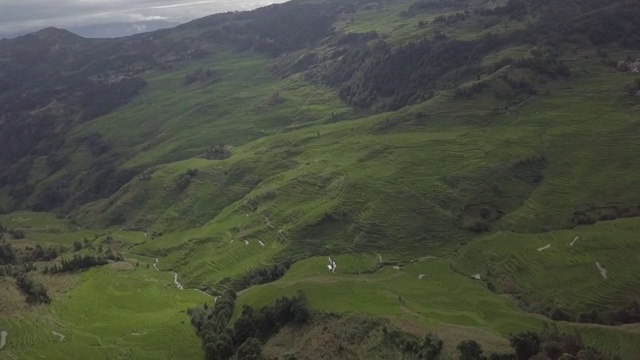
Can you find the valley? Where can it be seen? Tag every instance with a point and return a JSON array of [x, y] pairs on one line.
[[468, 167]]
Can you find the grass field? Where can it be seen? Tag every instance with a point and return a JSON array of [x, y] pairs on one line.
[[310, 177], [128, 314], [428, 295], [118, 310], [512, 262]]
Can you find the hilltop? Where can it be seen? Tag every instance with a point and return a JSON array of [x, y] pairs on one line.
[[468, 166]]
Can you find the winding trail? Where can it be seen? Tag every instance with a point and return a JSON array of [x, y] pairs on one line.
[[544, 247], [175, 280], [603, 271], [574, 240], [59, 335], [179, 285], [3, 339]]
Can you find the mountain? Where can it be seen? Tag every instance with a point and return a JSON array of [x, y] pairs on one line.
[[348, 179], [112, 30]]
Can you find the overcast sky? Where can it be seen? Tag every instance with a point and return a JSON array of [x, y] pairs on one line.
[[20, 16]]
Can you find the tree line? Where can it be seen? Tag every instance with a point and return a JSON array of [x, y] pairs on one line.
[[261, 275], [82, 262], [254, 327], [548, 344]]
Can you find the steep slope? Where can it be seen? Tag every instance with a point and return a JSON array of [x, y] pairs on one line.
[[381, 135]]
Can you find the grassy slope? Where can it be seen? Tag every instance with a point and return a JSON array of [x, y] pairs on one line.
[[116, 310], [544, 276], [441, 301], [390, 183]]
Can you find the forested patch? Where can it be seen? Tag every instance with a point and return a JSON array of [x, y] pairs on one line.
[[254, 327], [35, 292], [83, 262], [261, 275]]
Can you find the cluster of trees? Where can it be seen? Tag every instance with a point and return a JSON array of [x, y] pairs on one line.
[[34, 290], [184, 180], [629, 314], [82, 262], [451, 18], [547, 344], [258, 276], [432, 5], [593, 215], [16, 233], [427, 349], [253, 327], [40, 253], [7, 254], [217, 152]]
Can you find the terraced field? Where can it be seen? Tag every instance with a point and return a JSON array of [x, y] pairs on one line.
[[133, 314], [118, 310], [423, 209], [512, 262], [428, 294]]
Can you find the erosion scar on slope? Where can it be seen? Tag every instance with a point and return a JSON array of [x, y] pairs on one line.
[[574, 240], [544, 247], [59, 335], [175, 280], [603, 271], [3, 338]]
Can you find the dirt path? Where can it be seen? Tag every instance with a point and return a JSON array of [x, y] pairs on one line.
[[261, 243], [603, 271], [3, 339], [332, 265], [59, 335], [178, 284], [574, 240], [175, 280], [544, 247]]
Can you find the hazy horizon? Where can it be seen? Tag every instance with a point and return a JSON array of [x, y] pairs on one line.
[[108, 18]]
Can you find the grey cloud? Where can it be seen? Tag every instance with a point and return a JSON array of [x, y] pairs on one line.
[[18, 16]]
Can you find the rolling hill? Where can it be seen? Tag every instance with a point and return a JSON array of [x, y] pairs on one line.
[[468, 165]]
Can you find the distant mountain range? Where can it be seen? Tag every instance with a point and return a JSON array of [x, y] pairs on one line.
[[110, 30]]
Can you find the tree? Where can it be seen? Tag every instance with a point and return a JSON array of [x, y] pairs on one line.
[[251, 349], [77, 245], [35, 291], [526, 344], [300, 308], [16, 233], [431, 347], [470, 350]]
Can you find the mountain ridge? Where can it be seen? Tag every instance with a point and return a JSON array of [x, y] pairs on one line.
[[443, 154]]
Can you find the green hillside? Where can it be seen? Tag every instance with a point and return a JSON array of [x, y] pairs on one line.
[[468, 165]]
